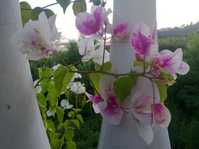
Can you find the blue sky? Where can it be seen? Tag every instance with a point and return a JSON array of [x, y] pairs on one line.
[[170, 13]]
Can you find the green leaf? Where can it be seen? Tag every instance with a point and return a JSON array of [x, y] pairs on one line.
[[26, 11], [166, 75], [52, 96], [79, 6], [59, 77], [60, 114], [41, 100], [45, 73], [71, 145], [64, 4], [76, 123], [69, 135], [51, 126], [36, 11], [123, 86], [162, 90], [79, 117], [95, 78], [96, 2]]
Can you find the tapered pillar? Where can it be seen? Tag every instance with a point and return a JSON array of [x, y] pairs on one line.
[[21, 124], [126, 136]]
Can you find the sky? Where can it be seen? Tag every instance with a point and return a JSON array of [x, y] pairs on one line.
[[170, 13]]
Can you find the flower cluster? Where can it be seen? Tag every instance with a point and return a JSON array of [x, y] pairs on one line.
[[38, 39], [161, 67]]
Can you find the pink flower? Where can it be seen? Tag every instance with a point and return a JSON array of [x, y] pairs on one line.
[[161, 115], [113, 112], [142, 41], [90, 23], [121, 31], [172, 62], [97, 102], [108, 108]]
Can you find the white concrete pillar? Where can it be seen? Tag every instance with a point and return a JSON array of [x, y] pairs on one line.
[[126, 136], [21, 125]]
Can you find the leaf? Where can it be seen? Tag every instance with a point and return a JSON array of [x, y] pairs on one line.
[[79, 117], [41, 100], [123, 86], [64, 4], [52, 96], [162, 90], [95, 78], [69, 135], [45, 73], [76, 123], [79, 6], [26, 11], [165, 75], [96, 2], [51, 126], [71, 145], [60, 114], [59, 77], [36, 11]]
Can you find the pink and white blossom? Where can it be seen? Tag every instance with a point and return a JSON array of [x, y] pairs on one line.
[[91, 51], [90, 23], [172, 62], [161, 115], [38, 39], [97, 102], [121, 31], [109, 108], [142, 41]]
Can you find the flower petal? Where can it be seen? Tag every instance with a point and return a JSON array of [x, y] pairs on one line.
[[161, 115], [183, 69]]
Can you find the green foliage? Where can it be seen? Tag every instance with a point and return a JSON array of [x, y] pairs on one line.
[[79, 6], [96, 2], [27, 13], [162, 90], [64, 4], [123, 86], [36, 11], [60, 126]]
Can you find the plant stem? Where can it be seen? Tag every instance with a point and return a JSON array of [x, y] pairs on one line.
[[49, 5], [104, 50]]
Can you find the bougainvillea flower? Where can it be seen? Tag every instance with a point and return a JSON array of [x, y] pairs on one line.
[[172, 62], [161, 115], [90, 23], [38, 39], [113, 112], [121, 31], [142, 40], [90, 49], [97, 102], [109, 108]]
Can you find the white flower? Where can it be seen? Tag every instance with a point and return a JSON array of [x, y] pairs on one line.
[[50, 113], [76, 76], [38, 89], [65, 104], [55, 67], [77, 87], [89, 50], [38, 39]]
